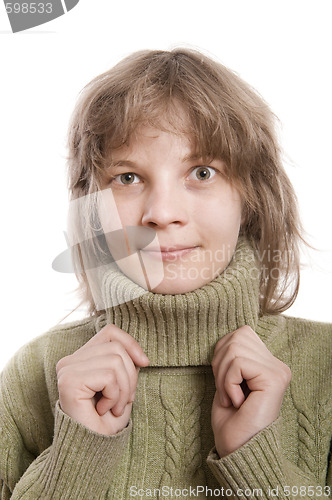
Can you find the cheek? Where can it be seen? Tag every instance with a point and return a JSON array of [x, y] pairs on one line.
[[222, 229], [233, 209], [128, 210], [108, 212], [224, 215], [130, 216]]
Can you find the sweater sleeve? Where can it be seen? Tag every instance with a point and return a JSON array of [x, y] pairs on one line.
[[79, 464], [258, 469], [45, 454]]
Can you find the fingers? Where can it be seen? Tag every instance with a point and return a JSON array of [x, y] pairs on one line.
[[244, 336], [232, 367], [111, 333], [117, 395], [227, 360], [110, 342], [102, 376], [240, 370], [82, 381], [250, 387], [114, 376], [103, 356], [117, 391], [242, 358]]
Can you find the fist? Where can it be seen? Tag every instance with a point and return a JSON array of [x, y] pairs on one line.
[[250, 386], [97, 383]]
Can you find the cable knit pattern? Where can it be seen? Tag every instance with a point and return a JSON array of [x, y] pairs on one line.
[[169, 443], [182, 431], [307, 443], [314, 430]]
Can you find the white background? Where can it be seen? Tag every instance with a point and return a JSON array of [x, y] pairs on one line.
[[283, 48]]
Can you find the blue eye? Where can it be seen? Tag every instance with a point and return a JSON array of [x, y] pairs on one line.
[[127, 178], [203, 173]]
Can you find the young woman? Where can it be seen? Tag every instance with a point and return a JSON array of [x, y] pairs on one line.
[[186, 379]]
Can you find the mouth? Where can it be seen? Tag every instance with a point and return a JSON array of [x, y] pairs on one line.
[[170, 253]]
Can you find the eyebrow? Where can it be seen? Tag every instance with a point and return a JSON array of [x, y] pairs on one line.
[[129, 163], [122, 163], [192, 157]]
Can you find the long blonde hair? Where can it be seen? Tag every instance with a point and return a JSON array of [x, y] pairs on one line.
[[226, 119]]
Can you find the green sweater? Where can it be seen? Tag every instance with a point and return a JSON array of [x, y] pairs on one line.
[[167, 450]]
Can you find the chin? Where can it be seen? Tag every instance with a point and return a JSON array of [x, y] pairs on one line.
[[171, 287]]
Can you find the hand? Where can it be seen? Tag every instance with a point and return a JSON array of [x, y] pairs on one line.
[[250, 386], [97, 383]]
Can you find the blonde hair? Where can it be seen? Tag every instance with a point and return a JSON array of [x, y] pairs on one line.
[[226, 119]]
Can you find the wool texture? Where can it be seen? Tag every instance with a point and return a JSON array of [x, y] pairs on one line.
[[168, 446]]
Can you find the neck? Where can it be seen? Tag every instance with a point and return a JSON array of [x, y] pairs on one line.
[[182, 330]]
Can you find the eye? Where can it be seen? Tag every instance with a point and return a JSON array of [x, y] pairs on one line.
[[202, 173], [127, 178]]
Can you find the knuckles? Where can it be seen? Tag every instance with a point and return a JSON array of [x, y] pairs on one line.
[[110, 378], [62, 363], [243, 330], [115, 347], [237, 336], [285, 374], [65, 381], [232, 348]]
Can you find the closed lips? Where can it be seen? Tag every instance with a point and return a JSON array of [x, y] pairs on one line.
[[170, 253]]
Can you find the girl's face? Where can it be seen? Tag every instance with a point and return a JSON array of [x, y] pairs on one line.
[[157, 183]]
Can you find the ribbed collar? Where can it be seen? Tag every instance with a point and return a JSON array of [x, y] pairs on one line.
[[182, 330]]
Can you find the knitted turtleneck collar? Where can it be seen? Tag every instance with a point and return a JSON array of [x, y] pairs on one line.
[[182, 330]]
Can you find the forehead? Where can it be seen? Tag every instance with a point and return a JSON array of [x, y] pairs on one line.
[[197, 133], [151, 141]]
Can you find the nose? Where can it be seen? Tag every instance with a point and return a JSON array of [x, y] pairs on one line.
[[163, 206]]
